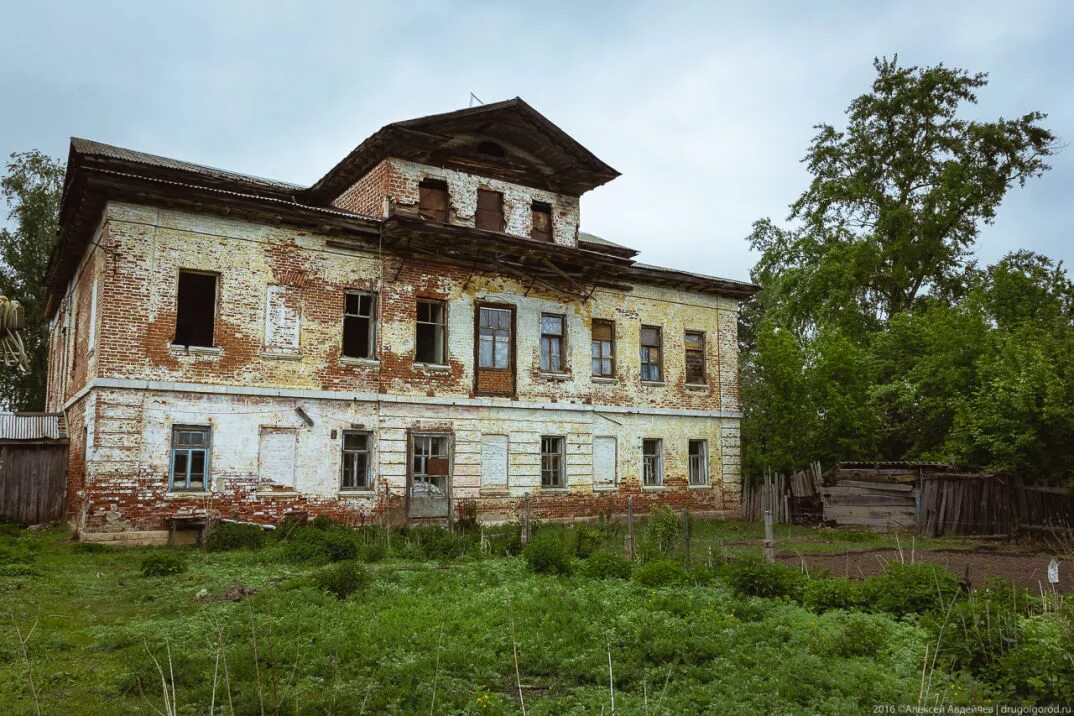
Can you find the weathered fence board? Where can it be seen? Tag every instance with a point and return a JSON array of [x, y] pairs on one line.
[[33, 481]]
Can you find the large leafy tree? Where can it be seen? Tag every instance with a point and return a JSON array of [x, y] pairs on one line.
[[31, 189]]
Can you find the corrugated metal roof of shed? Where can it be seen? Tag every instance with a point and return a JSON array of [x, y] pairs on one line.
[[32, 426]]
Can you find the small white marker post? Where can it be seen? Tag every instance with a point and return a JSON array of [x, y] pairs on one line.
[[1053, 573]]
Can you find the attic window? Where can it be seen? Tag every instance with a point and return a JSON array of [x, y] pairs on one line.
[[433, 200], [489, 215], [542, 221], [195, 314], [492, 149]]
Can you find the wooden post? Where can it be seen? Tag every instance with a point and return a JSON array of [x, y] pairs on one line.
[[526, 519], [629, 546], [769, 503], [686, 536]]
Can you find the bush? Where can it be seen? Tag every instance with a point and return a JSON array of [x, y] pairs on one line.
[[910, 589], [19, 569], [761, 579], [163, 564], [343, 579], [437, 543], [317, 546], [660, 573], [663, 529], [862, 635], [16, 553], [504, 540], [587, 540], [606, 565], [1039, 669], [549, 553], [226, 536], [321, 522], [820, 595]]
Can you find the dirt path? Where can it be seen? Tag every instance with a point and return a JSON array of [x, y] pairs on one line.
[[1028, 570]]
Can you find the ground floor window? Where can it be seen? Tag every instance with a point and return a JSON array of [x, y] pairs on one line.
[[190, 457], [552, 462], [652, 462], [431, 465], [699, 462], [357, 474]]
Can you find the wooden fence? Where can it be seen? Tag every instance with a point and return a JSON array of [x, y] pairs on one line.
[[793, 499], [33, 480], [991, 505]]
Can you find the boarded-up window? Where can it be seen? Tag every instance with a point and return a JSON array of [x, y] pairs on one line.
[[553, 457], [652, 462], [276, 455], [431, 330], [195, 314], [493, 461], [604, 459], [433, 200], [489, 210], [359, 325], [552, 342], [650, 353], [603, 348], [695, 357], [356, 473], [542, 222], [283, 312]]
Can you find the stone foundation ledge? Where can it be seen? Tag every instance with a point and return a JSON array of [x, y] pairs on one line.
[[133, 538]]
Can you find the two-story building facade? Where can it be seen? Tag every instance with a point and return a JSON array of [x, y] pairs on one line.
[[421, 333]]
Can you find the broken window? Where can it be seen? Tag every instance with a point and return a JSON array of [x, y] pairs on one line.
[[603, 348], [433, 200], [652, 462], [489, 215], [542, 221], [695, 357], [650, 353], [431, 465], [356, 463], [190, 457], [431, 327], [552, 342], [552, 459], [360, 325], [494, 328], [195, 313], [699, 462]]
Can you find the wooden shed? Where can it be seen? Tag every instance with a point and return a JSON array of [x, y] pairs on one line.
[[33, 467]]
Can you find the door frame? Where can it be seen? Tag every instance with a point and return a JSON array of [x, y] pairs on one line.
[[448, 433]]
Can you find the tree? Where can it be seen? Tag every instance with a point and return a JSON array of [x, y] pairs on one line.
[[896, 201], [31, 188]]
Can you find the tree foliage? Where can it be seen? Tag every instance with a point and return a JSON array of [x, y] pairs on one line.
[[31, 188], [876, 335]]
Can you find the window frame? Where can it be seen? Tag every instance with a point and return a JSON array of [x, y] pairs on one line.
[[510, 310], [434, 184], [657, 470], [558, 468], [704, 479], [426, 442], [479, 211], [686, 351], [611, 348], [562, 339], [443, 325], [371, 336], [216, 307], [367, 451], [645, 356], [541, 207], [207, 430]]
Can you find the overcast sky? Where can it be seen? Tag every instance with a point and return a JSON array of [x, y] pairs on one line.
[[706, 108]]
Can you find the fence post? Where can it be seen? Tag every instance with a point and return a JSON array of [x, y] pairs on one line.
[[526, 519], [629, 546], [769, 500], [686, 535]]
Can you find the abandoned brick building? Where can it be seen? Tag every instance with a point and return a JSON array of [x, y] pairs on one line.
[[421, 332]]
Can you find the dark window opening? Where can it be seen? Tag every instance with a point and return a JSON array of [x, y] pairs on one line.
[[356, 464], [431, 329], [603, 349], [492, 149], [190, 457], [195, 315], [542, 221], [433, 200], [695, 357], [699, 462], [650, 354], [494, 329], [551, 342], [360, 325], [489, 210], [552, 459], [652, 462]]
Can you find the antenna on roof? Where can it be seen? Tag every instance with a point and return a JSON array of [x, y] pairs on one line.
[[475, 98]]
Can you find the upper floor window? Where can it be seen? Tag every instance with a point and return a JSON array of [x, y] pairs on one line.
[[552, 341], [195, 311], [553, 456], [494, 329], [603, 348], [542, 221], [357, 471], [190, 457], [489, 210], [431, 328], [695, 357], [652, 462], [433, 200], [650, 353], [360, 325]]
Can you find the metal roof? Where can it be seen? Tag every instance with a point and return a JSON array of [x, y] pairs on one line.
[[32, 426], [588, 238]]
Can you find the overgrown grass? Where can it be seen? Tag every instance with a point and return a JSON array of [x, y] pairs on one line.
[[439, 622]]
